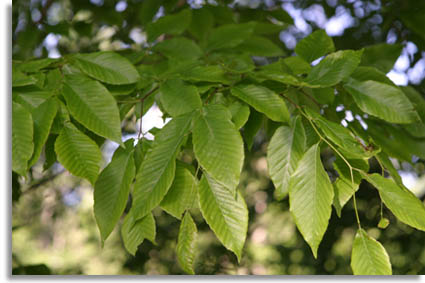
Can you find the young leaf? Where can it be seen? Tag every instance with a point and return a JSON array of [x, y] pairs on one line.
[[285, 149], [315, 45], [170, 24], [310, 197], [186, 243], [156, 173], [108, 67], [182, 194], [368, 256], [90, 103], [78, 153], [179, 98], [134, 232], [383, 101], [263, 100], [402, 202], [179, 48], [112, 188], [22, 138], [218, 146], [225, 213], [334, 68], [43, 117]]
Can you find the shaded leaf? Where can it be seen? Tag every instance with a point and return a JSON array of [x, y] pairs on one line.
[[134, 232]]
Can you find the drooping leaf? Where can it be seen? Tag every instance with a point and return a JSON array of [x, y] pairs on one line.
[[30, 96], [285, 149], [22, 138], [263, 100], [229, 36], [334, 68], [383, 101], [156, 173], [112, 189], [108, 67], [315, 45], [402, 202], [310, 197], [134, 232], [252, 126], [179, 98], [90, 103], [179, 48], [140, 150], [182, 194], [225, 213], [186, 243], [368, 256], [43, 117], [170, 24], [78, 153], [218, 146]]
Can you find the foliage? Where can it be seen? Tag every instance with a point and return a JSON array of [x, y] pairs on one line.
[[203, 71]]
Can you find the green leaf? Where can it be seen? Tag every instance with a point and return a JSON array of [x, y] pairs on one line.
[[310, 198], [240, 113], [148, 10], [134, 232], [416, 99], [33, 66], [49, 152], [381, 56], [334, 68], [225, 213], [30, 96], [285, 149], [363, 73], [402, 202], [43, 117], [90, 103], [324, 95], [383, 223], [202, 23], [297, 65], [315, 45], [108, 67], [339, 135], [182, 194], [140, 151], [260, 46], [179, 98], [383, 101], [218, 146], [170, 24], [20, 79], [229, 36], [186, 243], [78, 153], [252, 126], [179, 48], [112, 189], [344, 187], [368, 256], [156, 173], [213, 73], [263, 100], [22, 138]]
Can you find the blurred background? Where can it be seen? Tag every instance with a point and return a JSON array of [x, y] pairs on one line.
[[53, 227]]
